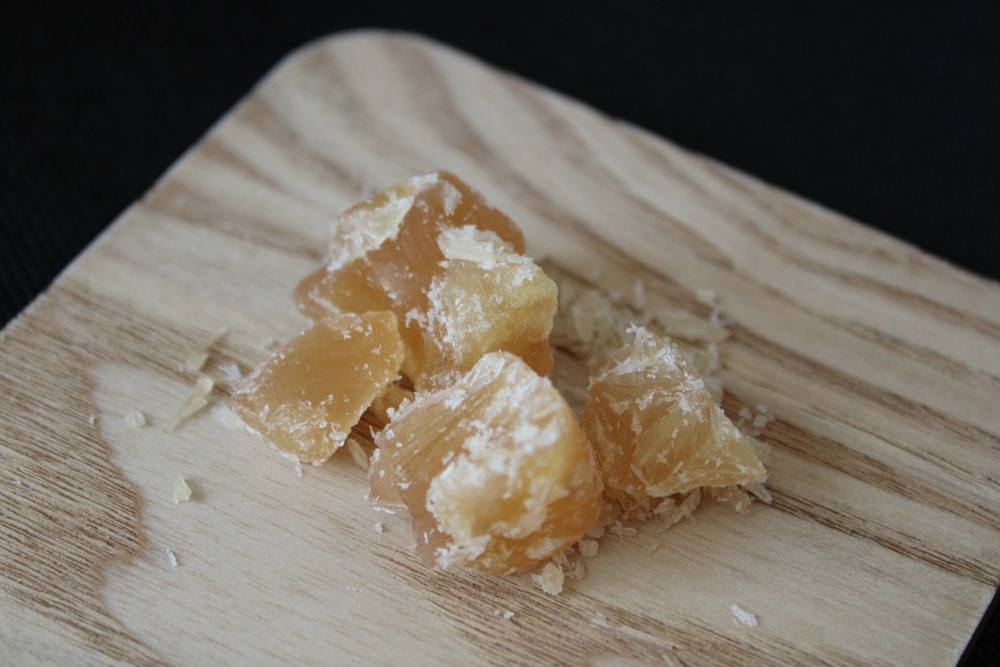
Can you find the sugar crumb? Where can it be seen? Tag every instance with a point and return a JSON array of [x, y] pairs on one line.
[[171, 558], [588, 548], [621, 530], [550, 579], [134, 418], [379, 528], [231, 372], [743, 617], [182, 491]]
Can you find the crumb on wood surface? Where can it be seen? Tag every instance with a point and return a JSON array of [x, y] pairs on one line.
[[196, 399], [135, 418], [182, 490], [550, 579]]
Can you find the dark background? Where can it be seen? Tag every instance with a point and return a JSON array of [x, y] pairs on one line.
[[887, 115]]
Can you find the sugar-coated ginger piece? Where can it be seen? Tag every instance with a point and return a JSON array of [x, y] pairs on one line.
[[384, 253], [488, 298], [306, 398], [657, 431], [494, 469]]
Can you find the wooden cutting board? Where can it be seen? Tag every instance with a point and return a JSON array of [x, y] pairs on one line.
[[881, 364]]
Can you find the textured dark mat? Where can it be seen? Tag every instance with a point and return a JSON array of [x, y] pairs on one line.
[[888, 117]]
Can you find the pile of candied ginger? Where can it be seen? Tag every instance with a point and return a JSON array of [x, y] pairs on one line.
[[431, 332]]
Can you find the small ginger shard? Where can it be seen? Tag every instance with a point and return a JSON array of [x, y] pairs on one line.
[[182, 491], [196, 355], [385, 253], [657, 430], [196, 399], [494, 470], [306, 398]]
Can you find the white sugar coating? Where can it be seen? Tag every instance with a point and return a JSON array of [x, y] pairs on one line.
[[487, 297], [482, 247], [362, 229], [545, 548], [451, 198], [171, 558], [651, 351], [704, 448], [482, 479]]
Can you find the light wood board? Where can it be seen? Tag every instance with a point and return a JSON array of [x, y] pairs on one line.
[[880, 362]]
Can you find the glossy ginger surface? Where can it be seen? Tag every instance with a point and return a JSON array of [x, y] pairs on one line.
[[494, 469], [657, 431], [385, 252], [306, 398]]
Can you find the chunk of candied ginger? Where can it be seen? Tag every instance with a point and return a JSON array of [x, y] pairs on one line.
[[384, 253], [307, 397], [494, 470], [488, 298], [656, 429]]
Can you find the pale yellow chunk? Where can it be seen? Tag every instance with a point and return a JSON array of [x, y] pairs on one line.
[[494, 470], [307, 397], [488, 298], [182, 491], [656, 429], [384, 253]]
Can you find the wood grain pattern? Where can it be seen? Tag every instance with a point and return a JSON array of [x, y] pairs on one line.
[[880, 362]]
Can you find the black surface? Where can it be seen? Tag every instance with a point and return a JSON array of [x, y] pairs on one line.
[[889, 116]]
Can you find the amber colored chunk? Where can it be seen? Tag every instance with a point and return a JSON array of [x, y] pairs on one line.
[[494, 470], [307, 397], [488, 298], [384, 253], [657, 430]]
